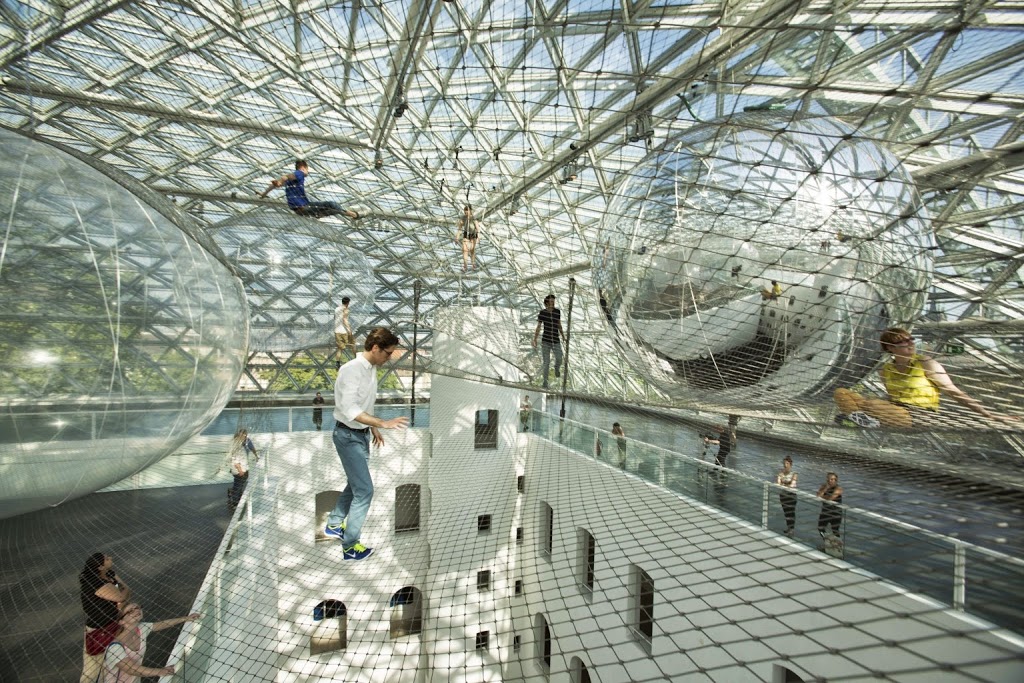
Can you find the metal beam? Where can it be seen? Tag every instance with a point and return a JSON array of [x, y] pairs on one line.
[[560, 272], [236, 198], [77, 16], [83, 99], [950, 174], [733, 40]]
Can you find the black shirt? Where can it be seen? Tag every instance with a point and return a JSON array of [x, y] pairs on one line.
[[551, 321], [98, 612]]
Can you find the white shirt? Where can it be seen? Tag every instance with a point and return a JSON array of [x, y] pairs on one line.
[[341, 320], [355, 391], [240, 449], [117, 652]]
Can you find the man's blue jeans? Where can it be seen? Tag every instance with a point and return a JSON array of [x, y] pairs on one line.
[[318, 209], [354, 502], [545, 354]]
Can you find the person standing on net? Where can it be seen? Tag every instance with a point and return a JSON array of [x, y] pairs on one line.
[[469, 228], [343, 337], [355, 392], [550, 319], [294, 185], [241, 447]]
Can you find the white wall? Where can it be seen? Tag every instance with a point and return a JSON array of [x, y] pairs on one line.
[[719, 582], [732, 602]]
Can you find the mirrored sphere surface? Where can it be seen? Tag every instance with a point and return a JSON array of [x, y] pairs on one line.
[[120, 336], [296, 274], [689, 249]]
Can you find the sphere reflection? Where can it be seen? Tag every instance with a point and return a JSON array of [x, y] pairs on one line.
[[295, 276], [756, 258], [121, 336]]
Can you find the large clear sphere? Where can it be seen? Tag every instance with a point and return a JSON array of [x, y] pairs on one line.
[[120, 336], [296, 273], [689, 248]]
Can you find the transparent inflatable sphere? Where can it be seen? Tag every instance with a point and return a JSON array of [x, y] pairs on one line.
[[296, 275], [755, 259], [120, 336]]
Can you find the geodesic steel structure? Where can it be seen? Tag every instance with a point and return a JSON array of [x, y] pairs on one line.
[[535, 113]]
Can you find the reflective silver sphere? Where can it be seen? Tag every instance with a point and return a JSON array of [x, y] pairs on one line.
[[120, 335], [690, 247]]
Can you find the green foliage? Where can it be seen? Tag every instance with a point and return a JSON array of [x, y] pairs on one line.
[[309, 371]]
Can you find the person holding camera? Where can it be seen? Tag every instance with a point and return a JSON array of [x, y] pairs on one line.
[[103, 596], [724, 441]]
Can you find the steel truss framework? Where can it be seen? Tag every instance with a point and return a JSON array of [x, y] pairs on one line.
[[408, 110]]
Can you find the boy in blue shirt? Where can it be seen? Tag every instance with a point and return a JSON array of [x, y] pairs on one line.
[[294, 185]]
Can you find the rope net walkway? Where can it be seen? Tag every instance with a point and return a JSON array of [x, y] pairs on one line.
[[771, 231]]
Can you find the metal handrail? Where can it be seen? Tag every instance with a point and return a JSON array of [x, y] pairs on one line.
[[959, 548]]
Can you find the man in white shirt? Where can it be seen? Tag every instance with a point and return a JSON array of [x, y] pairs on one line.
[[343, 337], [355, 392]]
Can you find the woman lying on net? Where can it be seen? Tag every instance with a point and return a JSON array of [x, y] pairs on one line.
[[915, 381]]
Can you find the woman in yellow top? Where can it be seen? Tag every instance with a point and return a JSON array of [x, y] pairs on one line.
[[915, 381]]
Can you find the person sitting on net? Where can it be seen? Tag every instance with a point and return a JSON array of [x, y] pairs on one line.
[[294, 185], [774, 293], [915, 381]]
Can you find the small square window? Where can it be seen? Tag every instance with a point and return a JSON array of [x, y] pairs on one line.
[[483, 640], [519, 586], [516, 643], [483, 580], [519, 535], [483, 523], [520, 483]]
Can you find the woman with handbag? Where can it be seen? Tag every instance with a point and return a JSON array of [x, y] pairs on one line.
[[122, 662], [103, 595]]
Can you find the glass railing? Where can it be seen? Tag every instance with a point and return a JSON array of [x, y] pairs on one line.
[[955, 573], [72, 425], [299, 418], [192, 653]]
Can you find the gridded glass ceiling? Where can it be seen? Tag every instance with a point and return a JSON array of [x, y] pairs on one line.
[[408, 110]]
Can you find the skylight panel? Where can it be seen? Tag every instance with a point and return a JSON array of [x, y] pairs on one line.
[[86, 51], [974, 45], [179, 19], [192, 68], [1008, 80]]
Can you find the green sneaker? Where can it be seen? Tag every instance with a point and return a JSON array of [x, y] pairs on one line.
[[358, 552]]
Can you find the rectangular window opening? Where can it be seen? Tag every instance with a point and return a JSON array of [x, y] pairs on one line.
[[483, 580], [483, 640], [547, 530], [407, 508], [586, 552], [483, 523], [485, 429], [643, 612]]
